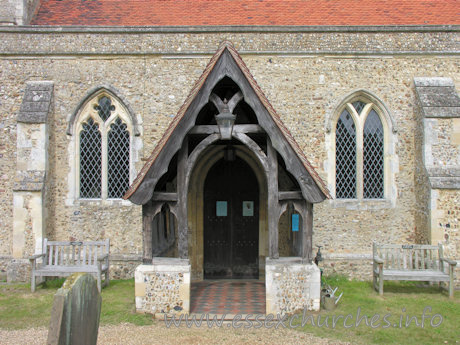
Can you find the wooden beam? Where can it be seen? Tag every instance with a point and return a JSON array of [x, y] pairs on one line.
[[295, 195], [247, 129], [161, 196], [192, 159], [182, 222], [260, 154], [205, 129], [273, 204], [147, 237], [212, 129], [149, 212], [230, 105]]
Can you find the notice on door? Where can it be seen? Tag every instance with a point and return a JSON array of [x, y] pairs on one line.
[[221, 208], [248, 208]]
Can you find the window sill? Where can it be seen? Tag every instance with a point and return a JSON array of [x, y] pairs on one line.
[[102, 202], [361, 205]]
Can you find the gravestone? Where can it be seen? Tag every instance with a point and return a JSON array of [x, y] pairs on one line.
[[76, 311]]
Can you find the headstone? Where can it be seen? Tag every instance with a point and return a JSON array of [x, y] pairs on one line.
[[76, 311]]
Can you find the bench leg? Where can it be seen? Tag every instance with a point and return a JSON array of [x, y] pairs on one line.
[[32, 283], [381, 280], [374, 278], [107, 279]]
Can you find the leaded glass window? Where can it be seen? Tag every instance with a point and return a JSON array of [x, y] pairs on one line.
[[90, 160], [118, 159], [373, 157], [345, 157], [104, 107], [359, 106], [359, 152], [104, 147]]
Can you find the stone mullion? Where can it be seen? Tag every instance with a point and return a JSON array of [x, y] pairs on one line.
[[359, 163], [359, 150]]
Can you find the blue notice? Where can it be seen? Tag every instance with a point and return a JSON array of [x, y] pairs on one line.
[[295, 222]]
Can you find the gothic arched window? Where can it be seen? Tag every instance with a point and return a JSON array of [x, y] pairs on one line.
[[359, 152], [103, 147]]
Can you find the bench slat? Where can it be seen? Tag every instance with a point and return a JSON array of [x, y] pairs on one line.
[[78, 252], [50, 255], [422, 275], [56, 252], [67, 243], [409, 246], [84, 255]]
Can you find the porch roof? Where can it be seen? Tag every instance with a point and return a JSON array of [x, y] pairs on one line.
[[263, 99]]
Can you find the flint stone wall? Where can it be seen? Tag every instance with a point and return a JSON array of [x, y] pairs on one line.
[[305, 73], [291, 286], [163, 287]]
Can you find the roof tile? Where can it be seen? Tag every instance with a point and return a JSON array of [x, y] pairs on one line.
[[244, 12]]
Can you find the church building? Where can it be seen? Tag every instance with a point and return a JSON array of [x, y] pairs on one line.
[[213, 139]]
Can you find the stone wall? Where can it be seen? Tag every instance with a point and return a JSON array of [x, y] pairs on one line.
[[448, 204], [164, 287], [305, 75], [353, 266], [17, 12], [291, 286], [123, 266], [170, 41]]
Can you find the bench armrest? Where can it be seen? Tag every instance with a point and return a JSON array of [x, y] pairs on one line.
[[102, 257], [450, 262], [377, 260], [36, 256]]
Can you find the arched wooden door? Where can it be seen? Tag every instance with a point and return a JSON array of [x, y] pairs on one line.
[[231, 221]]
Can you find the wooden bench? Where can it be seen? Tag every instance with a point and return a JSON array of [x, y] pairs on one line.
[[414, 262], [62, 258]]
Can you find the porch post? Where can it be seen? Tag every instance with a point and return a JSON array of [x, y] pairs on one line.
[[147, 233], [273, 202], [182, 200], [307, 230]]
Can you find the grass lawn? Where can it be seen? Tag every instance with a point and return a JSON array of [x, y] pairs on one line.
[[19, 308], [400, 302]]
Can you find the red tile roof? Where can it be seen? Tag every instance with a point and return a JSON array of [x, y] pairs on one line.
[[244, 12]]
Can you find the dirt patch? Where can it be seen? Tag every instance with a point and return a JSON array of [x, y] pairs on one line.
[[158, 333]]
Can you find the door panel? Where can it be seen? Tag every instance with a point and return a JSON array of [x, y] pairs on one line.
[[231, 221]]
